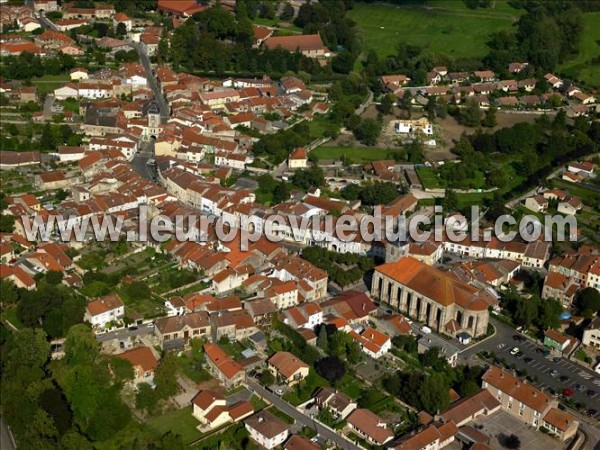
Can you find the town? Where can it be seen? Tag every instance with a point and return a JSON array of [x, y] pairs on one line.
[[240, 111]]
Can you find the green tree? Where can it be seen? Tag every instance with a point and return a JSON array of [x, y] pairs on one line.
[[81, 346], [322, 341], [450, 202], [470, 114], [267, 378], [54, 277], [165, 376], [386, 105], [490, 120], [587, 302], [434, 393], [146, 398], [121, 29], [548, 316], [122, 369]]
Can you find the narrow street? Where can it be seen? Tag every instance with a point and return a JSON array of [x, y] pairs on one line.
[[152, 84], [339, 440]]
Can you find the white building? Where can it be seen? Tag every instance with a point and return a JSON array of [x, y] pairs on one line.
[[267, 430], [103, 310]]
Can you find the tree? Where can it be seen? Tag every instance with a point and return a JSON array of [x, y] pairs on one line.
[[511, 442], [434, 393], [7, 223], [386, 105], [54, 277], [267, 378], [81, 346], [471, 114], [548, 316], [587, 302], [122, 369], [322, 341], [146, 398], [331, 368], [121, 29], [287, 12], [165, 377], [490, 119], [450, 202], [281, 193]]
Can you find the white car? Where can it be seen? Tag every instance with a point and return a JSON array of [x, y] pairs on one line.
[[514, 351], [426, 330]]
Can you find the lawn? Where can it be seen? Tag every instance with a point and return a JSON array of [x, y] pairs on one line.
[[10, 315], [444, 26], [356, 155], [48, 83], [429, 178], [581, 68], [179, 422]]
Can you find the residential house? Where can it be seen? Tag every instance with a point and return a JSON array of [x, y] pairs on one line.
[[298, 159], [175, 332], [369, 426], [537, 203], [372, 342], [591, 334], [309, 45], [434, 437], [287, 368], [223, 367], [211, 410], [557, 341], [561, 424], [102, 310], [266, 429], [338, 403], [144, 364], [569, 206]]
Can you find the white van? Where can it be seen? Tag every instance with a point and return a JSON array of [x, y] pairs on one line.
[[426, 330]]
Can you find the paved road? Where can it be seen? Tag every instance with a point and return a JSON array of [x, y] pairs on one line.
[[138, 330], [48, 102], [536, 364], [158, 96], [139, 163], [6, 440], [339, 440]]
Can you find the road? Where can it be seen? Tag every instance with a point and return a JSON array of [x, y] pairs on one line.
[[139, 163], [165, 112], [140, 330], [326, 433], [6, 439], [48, 102], [537, 365]]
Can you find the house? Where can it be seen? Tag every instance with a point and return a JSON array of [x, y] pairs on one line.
[[297, 442], [102, 310], [446, 349], [518, 397], [338, 403], [266, 429], [434, 437], [591, 334], [353, 306], [585, 168], [211, 410], [557, 341], [537, 203], [78, 73], [372, 342], [287, 368], [369, 426], [553, 81], [309, 45], [298, 159], [144, 364], [18, 276], [11, 160], [175, 332], [516, 67], [261, 34], [225, 369], [561, 424], [432, 296], [124, 19], [465, 410], [569, 206], [180, 8], [51, 180], [485, 75]]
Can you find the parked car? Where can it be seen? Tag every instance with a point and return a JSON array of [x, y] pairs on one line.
[[580, 387], [514, 351], [567, 392], [554, 373], [426, 330], [518, 338], [590, 393]]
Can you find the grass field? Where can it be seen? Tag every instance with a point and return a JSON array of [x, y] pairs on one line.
[[443, 26], [356, 155], [580, 68], [48, 83]]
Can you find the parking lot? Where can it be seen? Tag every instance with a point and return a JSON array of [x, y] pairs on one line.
[[503, 424], [584, 383]]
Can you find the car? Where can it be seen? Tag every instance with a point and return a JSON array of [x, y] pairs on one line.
[[564, 378], [501, 345], [552, 392], [580, 387], [554, 373], [528, 360], [518, 338], [556, 359], [591, 412], [543, 351], [567, 392], [279, 391], [426, 330], [133, 328], [514, 351], [520, 354], [590, 393]]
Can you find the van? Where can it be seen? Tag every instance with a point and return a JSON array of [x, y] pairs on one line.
[[426, 330]]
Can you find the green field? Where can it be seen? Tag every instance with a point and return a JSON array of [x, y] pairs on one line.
[[580, 68], [179, 421], [356, 155], [48, 83], [442, 26]]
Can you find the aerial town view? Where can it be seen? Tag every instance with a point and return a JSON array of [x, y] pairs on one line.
[[300, 224]]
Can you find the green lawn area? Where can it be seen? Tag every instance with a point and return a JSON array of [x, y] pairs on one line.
[[356, 155], [179, 422], [429, 178], [48, 83], [444, 26], [581, 68], [319, 125], [277, 23]]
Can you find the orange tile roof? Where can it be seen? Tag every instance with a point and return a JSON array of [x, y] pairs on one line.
[[286, 363], [222, 361], [518, 389], [142, 357], [103, 304], [560, 419]]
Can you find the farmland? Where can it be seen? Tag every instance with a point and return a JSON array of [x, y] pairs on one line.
[[448, 27]]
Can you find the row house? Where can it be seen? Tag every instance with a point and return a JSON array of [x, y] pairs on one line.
[[175, 332], [229, 372], [305, 315], [372, 342], [582, 267]]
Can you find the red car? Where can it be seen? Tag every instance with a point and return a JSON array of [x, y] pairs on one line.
[[567, 392]]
